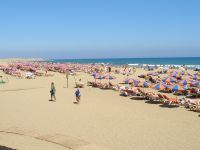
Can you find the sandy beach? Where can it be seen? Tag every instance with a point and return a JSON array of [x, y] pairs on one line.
[[103, 118]]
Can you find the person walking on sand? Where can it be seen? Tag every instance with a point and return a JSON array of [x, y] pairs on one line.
[[78, 96], [53, 92], [67, 77]]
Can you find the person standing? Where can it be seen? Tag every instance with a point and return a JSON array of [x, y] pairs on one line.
[[105, 69], [109, 69], [67, 77], [53, 92], [78, 96]]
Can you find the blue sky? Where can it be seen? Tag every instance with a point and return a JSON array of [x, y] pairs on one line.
[[99, 28]]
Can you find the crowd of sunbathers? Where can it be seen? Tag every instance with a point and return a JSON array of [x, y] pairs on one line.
[[178, 83], [140, 93]]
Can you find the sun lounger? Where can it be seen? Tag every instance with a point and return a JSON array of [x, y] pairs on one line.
[[153, 97], [170, 101], [193, 104], [161, 97], [127, 92], [105, 86], [178, 93]]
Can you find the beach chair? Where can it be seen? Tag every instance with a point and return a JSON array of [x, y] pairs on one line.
[[194, 104], [161, 97], [116, 88], [170, 101], [146, 95], [153, 97], [105, 86], [178, 93], [127, 92]]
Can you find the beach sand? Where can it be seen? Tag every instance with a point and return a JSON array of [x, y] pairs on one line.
[[103, 118]]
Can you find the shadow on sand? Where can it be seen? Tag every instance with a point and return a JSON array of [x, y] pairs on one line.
[[6, 148], [52, 100], [168, 106], [152, 102]]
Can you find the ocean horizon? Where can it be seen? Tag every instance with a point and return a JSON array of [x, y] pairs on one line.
[[124, 61]]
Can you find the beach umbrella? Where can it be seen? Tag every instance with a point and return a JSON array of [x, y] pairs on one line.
[[98, 76], [178, 88], [146, 84], [169, 80], [174, 74], [167, 86], [135, 83], [196, 77], [150, 73], [94, 74], [110, 77], [183, 82], [159, 86], [131, 80]]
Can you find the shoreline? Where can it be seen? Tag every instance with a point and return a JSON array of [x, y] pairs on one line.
[[126, 61]]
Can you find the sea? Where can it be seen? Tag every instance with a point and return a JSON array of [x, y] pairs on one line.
[[140, 61]]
